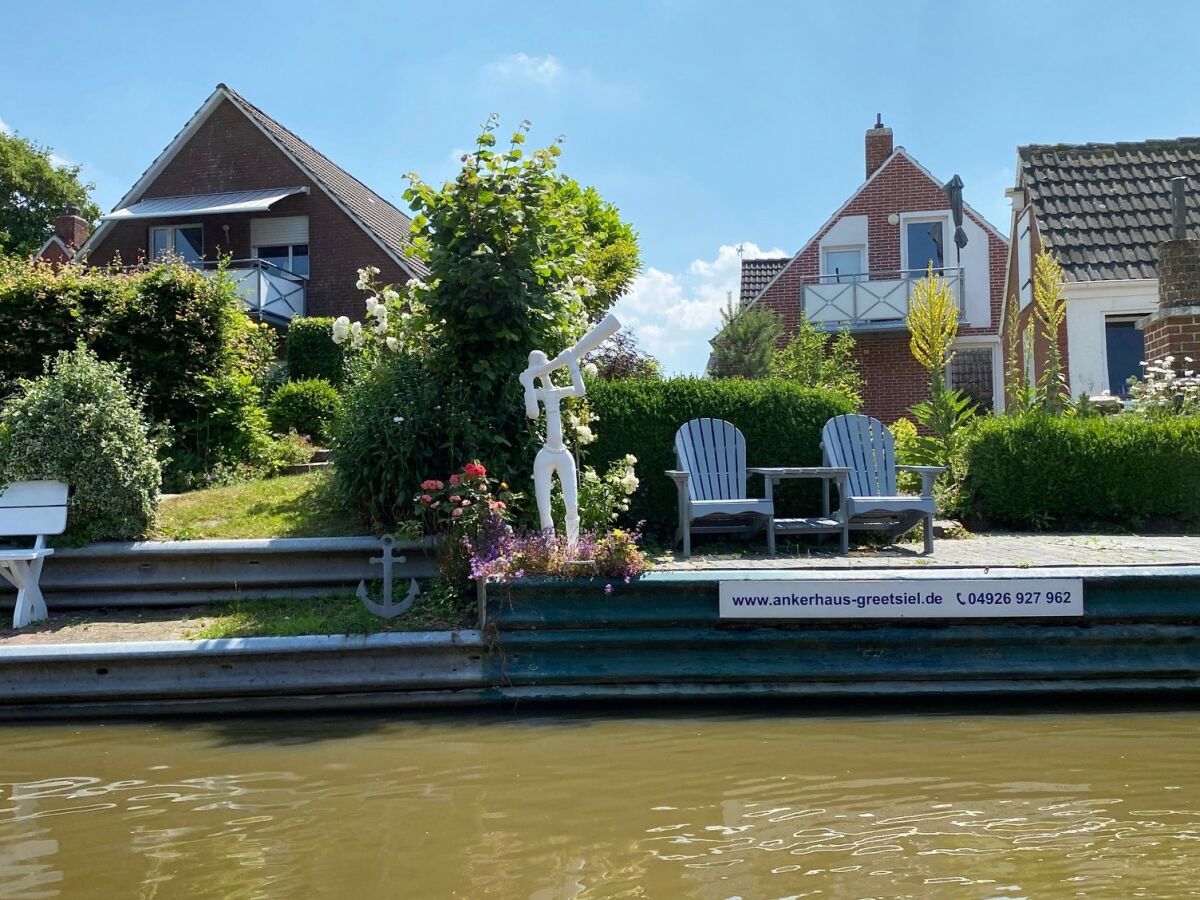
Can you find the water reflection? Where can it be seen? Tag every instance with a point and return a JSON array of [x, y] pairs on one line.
[[708, 807]]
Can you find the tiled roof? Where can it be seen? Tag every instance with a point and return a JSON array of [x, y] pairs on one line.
[[385, 221], [758, 273], [1105, 208]]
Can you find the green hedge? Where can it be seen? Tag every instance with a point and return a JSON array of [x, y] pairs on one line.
[[781, 421], [309, 407], [311, 352], [1042, 472]]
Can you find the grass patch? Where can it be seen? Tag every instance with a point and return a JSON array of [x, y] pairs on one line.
[[289, 506], [440, 607]]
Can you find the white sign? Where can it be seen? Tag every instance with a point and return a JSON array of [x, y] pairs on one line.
[[902, 598]]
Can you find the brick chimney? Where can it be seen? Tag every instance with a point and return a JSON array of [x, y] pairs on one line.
[[1174, 328], [70, 228], [879, 145]]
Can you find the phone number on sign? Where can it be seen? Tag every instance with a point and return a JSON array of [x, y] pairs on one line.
[[1013, 598]]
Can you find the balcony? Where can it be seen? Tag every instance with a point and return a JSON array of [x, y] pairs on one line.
[[872, 301], [272, 293]]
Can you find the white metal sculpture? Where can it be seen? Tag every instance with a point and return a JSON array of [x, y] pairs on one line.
[[555, 456]]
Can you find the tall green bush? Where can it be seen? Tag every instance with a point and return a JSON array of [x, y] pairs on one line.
[[400, 425], [81, 424], [1043, 471], [181, 336], [782, 423], [311, 352]]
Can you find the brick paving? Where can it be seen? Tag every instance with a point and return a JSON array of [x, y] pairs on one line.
[[993, 549]]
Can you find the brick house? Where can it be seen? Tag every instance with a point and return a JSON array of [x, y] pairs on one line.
[[236, 183], [1103, 210], [70, 233], [858, 270]]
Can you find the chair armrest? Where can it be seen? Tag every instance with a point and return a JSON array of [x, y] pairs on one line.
[[679, 476], [928, 475]]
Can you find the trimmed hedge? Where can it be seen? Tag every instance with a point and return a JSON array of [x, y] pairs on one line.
[[1042, 472], [311, 352], [782, 423], [308, 407]]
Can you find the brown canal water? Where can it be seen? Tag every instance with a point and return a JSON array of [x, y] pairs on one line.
[[669, 805]]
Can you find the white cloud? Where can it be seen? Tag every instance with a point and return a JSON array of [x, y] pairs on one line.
[[543, 70], [5, 128], [56, 160], [675, 315]]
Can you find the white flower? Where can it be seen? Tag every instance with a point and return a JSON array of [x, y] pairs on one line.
[[382, 325], [389, 295], [584, 434], [393, 345], [630, 459], [398, 419], [365, 276], [591, 370], [372, 305], [341, 329], [356, 335], [589, 475], [417, 285], [629, 483]]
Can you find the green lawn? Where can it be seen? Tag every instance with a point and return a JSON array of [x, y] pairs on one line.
[[290, 506], [438, 608]]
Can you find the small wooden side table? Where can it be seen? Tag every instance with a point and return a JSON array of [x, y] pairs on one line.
[[826, 523]]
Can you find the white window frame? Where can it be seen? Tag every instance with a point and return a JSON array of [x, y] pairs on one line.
[[979, 343], [1025, 258], [929, 215], [172, 229], [291, 253], [1123, 318], [844, 248]]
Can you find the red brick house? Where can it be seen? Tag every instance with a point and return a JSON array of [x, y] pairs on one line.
[[1105, 212], [858, 270], [236, 183]]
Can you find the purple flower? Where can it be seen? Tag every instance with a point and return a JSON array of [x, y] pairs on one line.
[[608, 589]]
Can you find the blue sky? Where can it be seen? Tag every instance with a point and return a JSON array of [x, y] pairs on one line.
[[709, 124]]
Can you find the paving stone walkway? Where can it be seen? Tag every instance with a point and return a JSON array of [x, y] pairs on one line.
[[992, 549]]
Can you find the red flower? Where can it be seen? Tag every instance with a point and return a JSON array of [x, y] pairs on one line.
[[474, 470]]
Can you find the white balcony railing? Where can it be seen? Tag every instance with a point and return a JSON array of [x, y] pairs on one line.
[[872, 300], [271, 292]]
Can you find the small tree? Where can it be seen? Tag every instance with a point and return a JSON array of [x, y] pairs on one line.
[[745, 345], [33, 192], [1054, 395], [621, 357], [815, 358]]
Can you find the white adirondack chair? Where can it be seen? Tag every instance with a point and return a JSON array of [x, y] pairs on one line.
[[865, 446], [34, 508], [710, 475]]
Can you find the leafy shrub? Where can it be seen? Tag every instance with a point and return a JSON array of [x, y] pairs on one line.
[[782, 423], [399, 423], [1043, 471], [904, 433], [227, 433], [816, 358], [745, 345], [311, 352], [181, 336], [309, 407], [79, 424]]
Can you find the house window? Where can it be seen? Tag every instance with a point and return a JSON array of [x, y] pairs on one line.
[[1125, 348], [184, 241], [281, 241], [293, 257], [971, 372], [842, 264], [926, 244]]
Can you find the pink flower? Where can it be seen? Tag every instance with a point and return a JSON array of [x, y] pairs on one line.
[[454, 498], [438, 485], [426, 499], [466, 503], [454, 479], [430, 485], [456, 513], [497, 504]]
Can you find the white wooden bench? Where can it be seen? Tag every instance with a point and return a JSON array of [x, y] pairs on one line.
[[34, 508]]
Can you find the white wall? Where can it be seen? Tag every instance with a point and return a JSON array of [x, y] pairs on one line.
[[848, 231], [1087, 305]]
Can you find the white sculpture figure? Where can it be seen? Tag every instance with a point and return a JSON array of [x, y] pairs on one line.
[[555, 456]]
